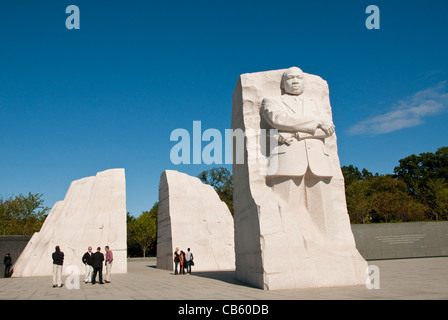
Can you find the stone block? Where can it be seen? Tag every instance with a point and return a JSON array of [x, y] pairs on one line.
[[93, 213], [291, 223], [191, 215]]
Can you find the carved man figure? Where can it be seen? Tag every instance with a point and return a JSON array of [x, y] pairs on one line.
[[292, 229], [300, 167], [303, 125]]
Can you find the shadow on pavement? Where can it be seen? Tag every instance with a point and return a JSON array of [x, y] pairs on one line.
[[224, 276]]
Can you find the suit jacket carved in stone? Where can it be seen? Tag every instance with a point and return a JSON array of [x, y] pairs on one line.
[[297, 119]]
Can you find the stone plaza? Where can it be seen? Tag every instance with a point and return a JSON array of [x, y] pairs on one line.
[[399, 279]]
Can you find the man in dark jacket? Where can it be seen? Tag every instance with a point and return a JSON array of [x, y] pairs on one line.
[[58, 261], [97, 264], [176, 260], [87, 261], [7, 262]]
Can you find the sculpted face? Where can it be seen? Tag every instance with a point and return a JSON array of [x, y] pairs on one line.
[[292, 81]]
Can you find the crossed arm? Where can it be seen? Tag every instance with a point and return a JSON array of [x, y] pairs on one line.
[[302, 127]]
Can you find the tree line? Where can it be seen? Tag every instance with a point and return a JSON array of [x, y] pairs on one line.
[[416, 191]]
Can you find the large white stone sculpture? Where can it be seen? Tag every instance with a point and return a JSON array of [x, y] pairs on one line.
[[191, 215], [292, 229], [93, 213]]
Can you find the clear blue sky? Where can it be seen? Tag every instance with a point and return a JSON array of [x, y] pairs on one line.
[[75, 102]]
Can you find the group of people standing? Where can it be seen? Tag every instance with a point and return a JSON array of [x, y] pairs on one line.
[[93, 265], [183, 261]]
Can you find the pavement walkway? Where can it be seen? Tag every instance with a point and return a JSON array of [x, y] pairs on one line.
[[405, 279]]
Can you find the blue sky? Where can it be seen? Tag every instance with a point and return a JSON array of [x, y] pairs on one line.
[[76, 102]]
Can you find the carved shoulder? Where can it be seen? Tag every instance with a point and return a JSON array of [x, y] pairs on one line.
[[269, 103]]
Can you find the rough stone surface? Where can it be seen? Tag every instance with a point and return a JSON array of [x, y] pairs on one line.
[[277, 245], [93, 213], [191, 215]]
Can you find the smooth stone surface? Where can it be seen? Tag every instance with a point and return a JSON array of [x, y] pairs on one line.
[[191, 215], [402, 240], [93, 213]]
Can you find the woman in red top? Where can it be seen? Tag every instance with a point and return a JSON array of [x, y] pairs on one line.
[[182, 262]]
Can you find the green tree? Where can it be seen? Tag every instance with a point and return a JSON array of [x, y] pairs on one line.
[[437, 199], [8, 215], [143, 229], [32, 212], [133, 247], [352, 174], [22, 215], [416, 171], [382, 198], [222, 181], [359, 201], [426, 177], [392, 202]]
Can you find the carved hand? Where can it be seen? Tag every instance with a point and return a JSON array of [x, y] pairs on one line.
[[327, 127]]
